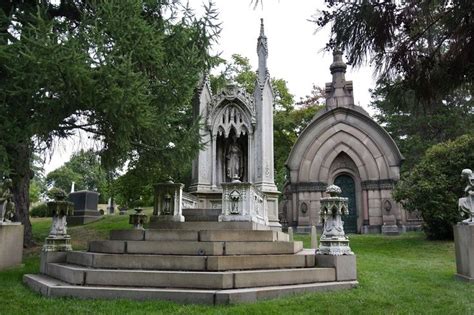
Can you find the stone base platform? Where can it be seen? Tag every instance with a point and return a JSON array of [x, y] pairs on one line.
[[464, 248], [11, 245], [51, 287], [223, 265]]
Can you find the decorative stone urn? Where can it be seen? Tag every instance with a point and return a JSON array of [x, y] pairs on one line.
[[138, 219], [59, 209], [333, 240]]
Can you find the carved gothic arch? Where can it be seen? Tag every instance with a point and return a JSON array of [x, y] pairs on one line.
[[343, 130]]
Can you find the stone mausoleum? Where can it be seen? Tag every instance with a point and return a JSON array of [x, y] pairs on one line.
[[343, 145]]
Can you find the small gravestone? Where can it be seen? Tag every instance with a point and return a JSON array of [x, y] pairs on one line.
[[85, 207], [464, 232]]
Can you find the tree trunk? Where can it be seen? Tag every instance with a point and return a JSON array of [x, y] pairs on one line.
[[21, 176]]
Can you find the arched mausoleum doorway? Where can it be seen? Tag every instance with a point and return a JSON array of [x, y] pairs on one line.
[[348, 187]]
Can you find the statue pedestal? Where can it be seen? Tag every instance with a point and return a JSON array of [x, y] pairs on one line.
[[11, 244], [345, 265], [57, 244], [464, 247]]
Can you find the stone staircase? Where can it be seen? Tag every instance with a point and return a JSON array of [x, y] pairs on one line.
[[218, 265]]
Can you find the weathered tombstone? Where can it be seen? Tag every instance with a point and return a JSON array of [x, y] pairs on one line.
[[85, 207], [334, 250], [138, 219], [11, 233], [464, 232]]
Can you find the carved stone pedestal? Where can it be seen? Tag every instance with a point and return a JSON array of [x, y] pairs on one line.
[[464, 246], [243, 202], [57, 244]]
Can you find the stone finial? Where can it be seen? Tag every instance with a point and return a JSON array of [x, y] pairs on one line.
[[262, 52], [339, 91]]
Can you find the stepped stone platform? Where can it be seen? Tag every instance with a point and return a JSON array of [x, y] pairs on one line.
[[218, 265]]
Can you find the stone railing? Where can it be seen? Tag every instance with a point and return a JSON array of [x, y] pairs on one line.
[[189, 201]]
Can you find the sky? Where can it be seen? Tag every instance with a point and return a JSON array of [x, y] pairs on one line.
[[295, 52]]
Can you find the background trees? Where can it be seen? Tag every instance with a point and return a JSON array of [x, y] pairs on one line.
[[85, 170], [434, 186], [124, 71], [423, 53]]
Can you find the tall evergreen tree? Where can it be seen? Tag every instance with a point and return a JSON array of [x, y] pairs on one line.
[[122, 70]]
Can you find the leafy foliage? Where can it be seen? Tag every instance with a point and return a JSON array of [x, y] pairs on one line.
[[40, 210], [85, 170], [429, 43], [123, 71], [413, 128], [434, 186]]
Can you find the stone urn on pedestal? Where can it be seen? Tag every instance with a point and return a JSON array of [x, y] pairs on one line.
[[58, 209], [334, 250]]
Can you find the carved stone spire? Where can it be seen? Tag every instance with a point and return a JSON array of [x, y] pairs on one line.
[[339, 91], [262, 51]]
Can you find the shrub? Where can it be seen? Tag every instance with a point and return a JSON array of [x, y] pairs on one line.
[[40, 210], [434, 186]]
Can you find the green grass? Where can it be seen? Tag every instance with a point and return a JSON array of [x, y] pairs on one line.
[[398, 275]]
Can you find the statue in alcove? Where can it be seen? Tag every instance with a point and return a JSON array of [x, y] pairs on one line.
[[234, 158]]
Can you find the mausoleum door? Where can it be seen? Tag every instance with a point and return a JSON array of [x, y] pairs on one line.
[[347, 185]]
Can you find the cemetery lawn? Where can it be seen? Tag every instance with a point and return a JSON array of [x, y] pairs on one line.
[[402, 274]]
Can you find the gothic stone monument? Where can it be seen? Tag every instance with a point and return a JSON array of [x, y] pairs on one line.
[[464, 232], [238, 132], [230, 253], [343, 145]]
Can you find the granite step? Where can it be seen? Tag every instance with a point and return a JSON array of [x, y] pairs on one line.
[[201, 226], [199, 235], [201, 215], [188, 279], [218, 248], [302, 259], [52, 287]]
